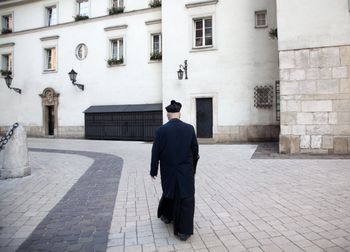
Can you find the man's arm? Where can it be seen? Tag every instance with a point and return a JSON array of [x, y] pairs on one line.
[[194, 148], [155, 155]]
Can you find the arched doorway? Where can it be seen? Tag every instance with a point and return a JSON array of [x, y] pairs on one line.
[[50, 107]]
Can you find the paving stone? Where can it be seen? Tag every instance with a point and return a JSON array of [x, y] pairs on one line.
[[300, 198], [80, 201]]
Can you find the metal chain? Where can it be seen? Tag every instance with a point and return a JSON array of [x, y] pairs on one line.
[[6, 138]]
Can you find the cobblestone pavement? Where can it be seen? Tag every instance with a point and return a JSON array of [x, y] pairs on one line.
[[82, 219], [24, 202], [242, 204], [270, 150]]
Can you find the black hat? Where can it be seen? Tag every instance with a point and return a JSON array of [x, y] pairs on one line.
[[174, 107]]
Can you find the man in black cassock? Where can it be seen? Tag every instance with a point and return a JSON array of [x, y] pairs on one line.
[[176, 148]]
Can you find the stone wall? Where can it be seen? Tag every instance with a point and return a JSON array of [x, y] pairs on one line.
[[63, 132], [247, 133], [315, 100]]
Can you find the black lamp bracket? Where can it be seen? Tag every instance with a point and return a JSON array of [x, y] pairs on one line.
[[184, 67], [17, 90], [80, 86]]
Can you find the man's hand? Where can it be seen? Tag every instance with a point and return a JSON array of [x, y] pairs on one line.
[[153, 177]]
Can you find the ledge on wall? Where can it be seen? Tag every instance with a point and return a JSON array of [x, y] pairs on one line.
[[49, 38], [201, 3], [7, 45], [117, 27]]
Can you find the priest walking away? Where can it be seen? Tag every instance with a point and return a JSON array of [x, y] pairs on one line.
[[176, 149]]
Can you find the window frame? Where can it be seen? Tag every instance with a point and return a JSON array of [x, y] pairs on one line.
[[110, 54], [47, 7], [78, 2], [11, 24], [118, 4], [256, 18], [46, 62], [9, 65], [202, 18], [160, 42]]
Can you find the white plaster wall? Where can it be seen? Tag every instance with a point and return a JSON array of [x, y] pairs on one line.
[[137, 82], [32, 15], [243, 57], [312, 23]]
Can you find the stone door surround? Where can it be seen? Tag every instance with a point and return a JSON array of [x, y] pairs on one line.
[[49, 98]]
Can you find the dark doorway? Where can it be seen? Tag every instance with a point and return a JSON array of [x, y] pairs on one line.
[[204, 108], [50, 120]]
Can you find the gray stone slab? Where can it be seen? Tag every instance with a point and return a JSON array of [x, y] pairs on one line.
[[83, 217]]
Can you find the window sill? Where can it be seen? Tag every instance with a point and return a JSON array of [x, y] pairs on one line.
[[3, 76], [116, 65], [203, 49], [154, 61], [261, 27], [49, 71]]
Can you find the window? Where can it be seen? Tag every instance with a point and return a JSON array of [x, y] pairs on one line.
[[117, 49], [50, 59], [117, 3], [156, 43], [83, 7], [51, 15], [6, 21], [117, 52], [263, 96], [156, 47], [117, 7], [260, 19], [155, 3], [6, 63], [203, 32]]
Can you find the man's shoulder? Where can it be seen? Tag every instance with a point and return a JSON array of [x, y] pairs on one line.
[[187, 126], [163, 128], [169, 125]]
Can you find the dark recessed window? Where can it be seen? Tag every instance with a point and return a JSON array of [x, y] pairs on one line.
[[6, 24], [260, 19]]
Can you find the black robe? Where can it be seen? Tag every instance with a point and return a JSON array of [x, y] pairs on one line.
[[176, 148]]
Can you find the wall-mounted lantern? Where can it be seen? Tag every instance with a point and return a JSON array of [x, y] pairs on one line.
[[180, 73], [8, 80], [73, 77]]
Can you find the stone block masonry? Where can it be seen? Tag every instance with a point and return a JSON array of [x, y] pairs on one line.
[[315, 100]]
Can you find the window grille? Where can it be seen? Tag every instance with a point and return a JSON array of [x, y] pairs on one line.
[[278, 108], [263, 96]]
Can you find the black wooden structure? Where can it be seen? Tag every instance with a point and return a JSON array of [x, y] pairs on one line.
[[123, 122]]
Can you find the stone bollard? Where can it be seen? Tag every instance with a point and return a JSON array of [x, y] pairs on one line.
[[15, 162]]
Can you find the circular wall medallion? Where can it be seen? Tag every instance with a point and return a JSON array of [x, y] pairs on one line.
[[81, 51]]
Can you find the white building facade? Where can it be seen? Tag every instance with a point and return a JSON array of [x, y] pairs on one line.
[[132, 58]]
